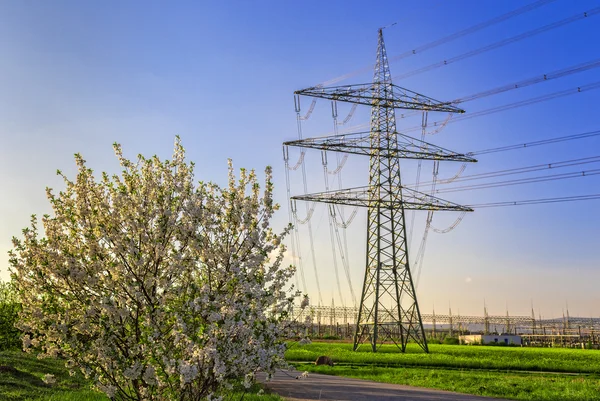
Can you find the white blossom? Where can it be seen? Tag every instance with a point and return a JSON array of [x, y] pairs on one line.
[[154, 284], [49, 378]]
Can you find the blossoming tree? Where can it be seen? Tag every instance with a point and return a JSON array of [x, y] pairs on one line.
[[157, 287]]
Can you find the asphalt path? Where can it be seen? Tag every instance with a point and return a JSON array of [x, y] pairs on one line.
[[294, 387]]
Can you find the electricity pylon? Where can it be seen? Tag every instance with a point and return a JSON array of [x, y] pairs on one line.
[[388, 310]]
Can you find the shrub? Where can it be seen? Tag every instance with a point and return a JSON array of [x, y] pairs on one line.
[[156, 287], [451, 341], [10, 336]]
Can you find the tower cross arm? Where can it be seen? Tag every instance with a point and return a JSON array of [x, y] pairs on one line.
[[363, 196], [369, 94], [361, 143]]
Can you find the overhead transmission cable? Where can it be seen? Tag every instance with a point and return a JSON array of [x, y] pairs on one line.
[[541, 142], [529, 180], [452, 226], [294, 239], [329, 212], [553, 75], [418, 178], [447, 39], [307, 207], [514, 105], [331, 234], [522, 170], [537, 201], [439, 125], [531, 81], [421, 252], [519, 84], [342, 245], [501, 43], [586, 66]]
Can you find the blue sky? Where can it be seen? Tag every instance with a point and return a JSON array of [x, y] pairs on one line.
[[78, 76]]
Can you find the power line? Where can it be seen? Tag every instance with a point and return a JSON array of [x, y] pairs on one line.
[[514, 105], [531, 81], [537, 201], [501, 43], [517, 85], [521, 170], [505, 88], [446, 39], [551, 177], [508, 106], [538, 143]]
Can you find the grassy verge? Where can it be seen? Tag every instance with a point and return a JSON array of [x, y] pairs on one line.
[[457, 356], [508, 385], [21, 379], [504, 372]]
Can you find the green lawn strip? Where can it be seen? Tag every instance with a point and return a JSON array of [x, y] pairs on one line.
[[456, 356], [251, 394], [513, 385], [21, 379]]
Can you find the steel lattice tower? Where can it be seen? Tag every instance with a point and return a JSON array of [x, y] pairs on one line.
[[389, 310]]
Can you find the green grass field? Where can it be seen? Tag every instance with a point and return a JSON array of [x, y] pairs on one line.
[[545, 374], [21, 379]]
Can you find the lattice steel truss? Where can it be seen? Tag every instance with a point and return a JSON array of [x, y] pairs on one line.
[[388, 296]]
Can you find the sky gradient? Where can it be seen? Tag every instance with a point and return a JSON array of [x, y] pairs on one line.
[[76, 77]]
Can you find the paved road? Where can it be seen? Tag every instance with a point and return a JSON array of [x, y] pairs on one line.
[[293, 387]]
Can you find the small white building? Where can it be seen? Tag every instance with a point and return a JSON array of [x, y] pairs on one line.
[[508, 339]]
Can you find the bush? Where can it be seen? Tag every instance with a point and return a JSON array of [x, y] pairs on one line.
[[451, 341], [156, 286], [10, 336]]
